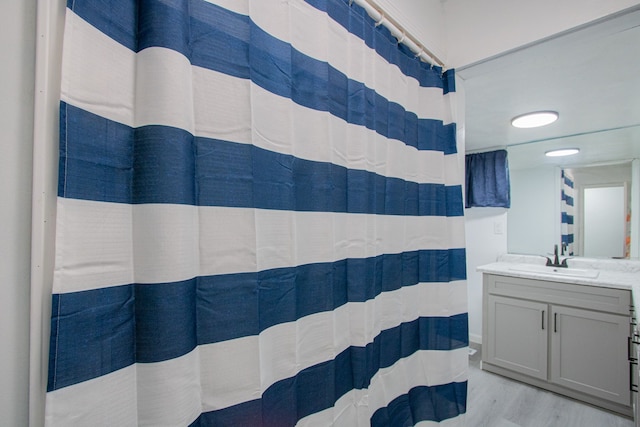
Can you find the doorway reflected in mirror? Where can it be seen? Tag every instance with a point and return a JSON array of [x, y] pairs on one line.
[[601, 197]]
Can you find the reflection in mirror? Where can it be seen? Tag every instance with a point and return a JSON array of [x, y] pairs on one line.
[[532, 225], [598, 110], [567, 206], [534, 221], [601, 196]]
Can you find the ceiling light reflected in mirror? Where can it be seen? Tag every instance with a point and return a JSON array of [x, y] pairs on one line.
[[562, 152]]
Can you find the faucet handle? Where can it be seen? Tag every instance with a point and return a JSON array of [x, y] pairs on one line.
[[564, 262]]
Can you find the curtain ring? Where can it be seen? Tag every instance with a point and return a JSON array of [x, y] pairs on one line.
[[350, 3], [419, 54], [401, 39], [380, 21]]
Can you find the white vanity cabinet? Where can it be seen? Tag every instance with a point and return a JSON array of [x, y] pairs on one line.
[[568, 338]]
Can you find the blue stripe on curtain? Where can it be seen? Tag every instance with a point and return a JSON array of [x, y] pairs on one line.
[[96, 333], [487, 180], [445, 401], [153, 319], [161, 164], [160, 325], [567, 179], [566, 218], [291, 74], [95, 324]]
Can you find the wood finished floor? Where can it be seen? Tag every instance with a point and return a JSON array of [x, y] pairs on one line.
[[495, 401]]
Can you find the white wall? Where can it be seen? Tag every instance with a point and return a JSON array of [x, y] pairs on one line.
[[17, 33], [486, 232], [534, 217], [480, 29], [461, 32], [424, 19]]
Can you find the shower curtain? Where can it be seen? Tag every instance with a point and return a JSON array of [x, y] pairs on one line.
[[259, 221], [567, 211]]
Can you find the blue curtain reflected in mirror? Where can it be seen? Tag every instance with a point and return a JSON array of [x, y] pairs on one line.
[[487, 180]]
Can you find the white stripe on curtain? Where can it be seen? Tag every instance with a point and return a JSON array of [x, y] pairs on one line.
[[259, 221], [107, 237]]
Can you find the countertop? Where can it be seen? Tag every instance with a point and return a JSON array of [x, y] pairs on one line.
[[613, 273]]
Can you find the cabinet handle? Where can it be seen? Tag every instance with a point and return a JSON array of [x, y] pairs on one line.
[[630, 353], [633, 387], [555, 322], [543, 320]]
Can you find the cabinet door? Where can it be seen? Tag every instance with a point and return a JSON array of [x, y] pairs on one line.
[[518, 335], [589, 352]]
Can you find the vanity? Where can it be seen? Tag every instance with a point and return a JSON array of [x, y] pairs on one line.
[[567, 330]]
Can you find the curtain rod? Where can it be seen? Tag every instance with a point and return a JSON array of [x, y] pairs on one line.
[[399, 32]]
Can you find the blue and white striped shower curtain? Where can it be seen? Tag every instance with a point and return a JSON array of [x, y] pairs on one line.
[[568, 209], [259, 221]]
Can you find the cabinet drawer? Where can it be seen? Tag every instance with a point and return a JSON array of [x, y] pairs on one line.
[[609, 300]]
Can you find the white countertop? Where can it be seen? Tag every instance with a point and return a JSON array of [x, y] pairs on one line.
[[612, 273]]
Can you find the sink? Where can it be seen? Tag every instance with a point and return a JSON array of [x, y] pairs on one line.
[[555, 271]]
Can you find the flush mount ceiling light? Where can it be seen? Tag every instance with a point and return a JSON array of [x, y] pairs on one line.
[[535, 119], [562, 152]]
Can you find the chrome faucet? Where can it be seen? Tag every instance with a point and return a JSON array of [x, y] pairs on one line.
[[556, 260]]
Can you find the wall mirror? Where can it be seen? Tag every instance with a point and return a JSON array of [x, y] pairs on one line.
[[591, 76]]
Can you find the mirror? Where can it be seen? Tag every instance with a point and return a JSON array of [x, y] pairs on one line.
[[591, 76]]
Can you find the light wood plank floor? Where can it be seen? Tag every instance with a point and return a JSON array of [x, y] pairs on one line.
[[495, 401]]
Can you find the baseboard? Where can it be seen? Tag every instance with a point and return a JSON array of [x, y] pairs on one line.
[[624, 410], [475, 339]]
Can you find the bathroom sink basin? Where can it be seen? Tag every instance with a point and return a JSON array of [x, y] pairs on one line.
[[556, 271]]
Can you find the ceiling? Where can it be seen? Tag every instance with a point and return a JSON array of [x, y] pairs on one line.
[[589, 75]]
